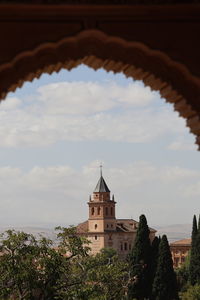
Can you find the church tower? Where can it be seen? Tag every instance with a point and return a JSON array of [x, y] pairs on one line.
[[101, 209], [102, 228]]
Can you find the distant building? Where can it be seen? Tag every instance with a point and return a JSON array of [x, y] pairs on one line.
[[103, 229], [179, 251]]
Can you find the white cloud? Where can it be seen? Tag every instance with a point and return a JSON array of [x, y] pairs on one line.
[[58, 194], [175, 173], [92, 97], [74, 98], [192, 190], [181, 145], [46, 121], [135, 94], [89, 111], [10, 103]]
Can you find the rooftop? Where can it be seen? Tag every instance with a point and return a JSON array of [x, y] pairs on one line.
[[101, 186], [184, 242]]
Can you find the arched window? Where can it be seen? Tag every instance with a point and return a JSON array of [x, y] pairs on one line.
[[99, 210], [111, 211], [96, 237], [95, 226], [106, 211], [92, 210]]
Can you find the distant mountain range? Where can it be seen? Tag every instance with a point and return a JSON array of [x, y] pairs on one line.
[[36, 231], [173, 232]]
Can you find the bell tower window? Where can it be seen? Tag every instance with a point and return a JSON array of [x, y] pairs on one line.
[[95, 226], [92, 210], [106, 211], [99, 210]]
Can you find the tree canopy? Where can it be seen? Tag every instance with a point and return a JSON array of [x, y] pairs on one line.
[[140, 262], [37, 269], [165, 285]]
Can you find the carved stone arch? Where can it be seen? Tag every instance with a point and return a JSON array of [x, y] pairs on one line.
[[98, 50]]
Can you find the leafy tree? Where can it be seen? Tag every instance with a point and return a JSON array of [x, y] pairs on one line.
[[70, 243], [74, 251], [17, 265], [192, 293], [183, 274], [194, 269], [103, 276], [165, 285], [140, 262], [51, 265], [33, 269]]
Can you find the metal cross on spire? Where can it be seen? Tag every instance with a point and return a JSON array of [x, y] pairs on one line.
[[101, 169]]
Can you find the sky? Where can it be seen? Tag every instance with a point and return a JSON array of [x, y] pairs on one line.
[[56, 131]]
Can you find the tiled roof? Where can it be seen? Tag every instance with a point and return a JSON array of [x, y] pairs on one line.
[[101, 186], [123, 225], [82, 227], [186, 242]]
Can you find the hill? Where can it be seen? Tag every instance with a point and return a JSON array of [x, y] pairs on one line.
[[174, 232]]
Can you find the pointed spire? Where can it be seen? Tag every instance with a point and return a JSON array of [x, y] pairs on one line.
[[101, 186]]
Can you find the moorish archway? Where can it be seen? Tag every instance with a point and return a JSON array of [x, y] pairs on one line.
[[96, 48]]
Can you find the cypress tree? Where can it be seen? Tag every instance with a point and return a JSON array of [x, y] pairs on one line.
[[199, 223], [197, 259], [194, 228], [154, 259], [165, 284], [194, 254], [154, 253], [140, 262]]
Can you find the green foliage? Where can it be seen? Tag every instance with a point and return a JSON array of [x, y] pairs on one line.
[[70, 243], [199, 223], [194, 269], [140, 262], [165, 285], [192, 293], [154, 260], [194, 228], [183, 274], [34, 269], [103, 276], [17, 265]]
